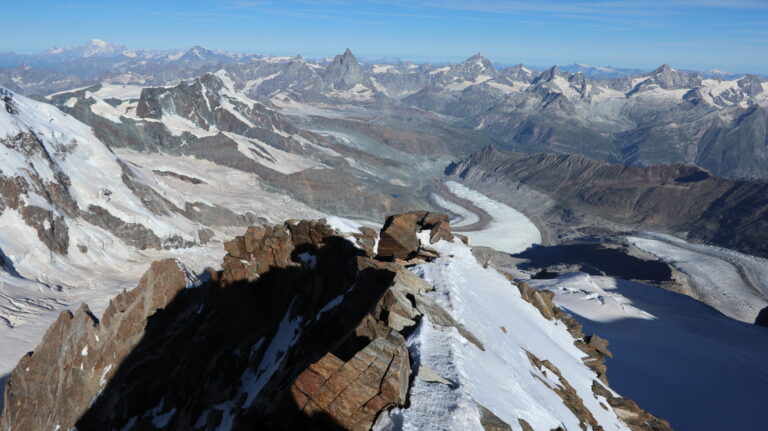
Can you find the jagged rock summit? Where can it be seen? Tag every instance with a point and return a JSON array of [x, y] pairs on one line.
[[345, 73]]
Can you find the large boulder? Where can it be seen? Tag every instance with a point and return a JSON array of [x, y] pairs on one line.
[[398, 237]]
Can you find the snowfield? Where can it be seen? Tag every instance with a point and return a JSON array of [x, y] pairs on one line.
[[509, 231], [676, 357]]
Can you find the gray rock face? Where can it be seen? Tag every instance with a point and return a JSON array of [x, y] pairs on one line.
[[88, 353], [669, 79], [344, 73]]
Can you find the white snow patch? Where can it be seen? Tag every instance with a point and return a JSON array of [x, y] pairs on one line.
[[384, 68], [271, 157], [119, 91], [103, 378]]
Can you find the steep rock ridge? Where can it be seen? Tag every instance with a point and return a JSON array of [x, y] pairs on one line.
[[672, 198], [79, 353], [155, 344], [299, 330]]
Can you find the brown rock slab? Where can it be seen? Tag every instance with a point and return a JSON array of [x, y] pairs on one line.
[[374, 378]]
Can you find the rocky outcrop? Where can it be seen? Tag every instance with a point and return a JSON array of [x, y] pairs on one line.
[[300, 328], [161, 349], [398, 236], [596, 350], [628, 411]]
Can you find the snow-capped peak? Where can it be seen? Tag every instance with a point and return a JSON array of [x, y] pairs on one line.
[[92, 48], [97, 43]]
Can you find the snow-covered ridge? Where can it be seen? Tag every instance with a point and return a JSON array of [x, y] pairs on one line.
[[499, 377]]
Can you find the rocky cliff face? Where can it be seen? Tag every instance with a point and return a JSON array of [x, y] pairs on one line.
[[679, 198], [301, 329]]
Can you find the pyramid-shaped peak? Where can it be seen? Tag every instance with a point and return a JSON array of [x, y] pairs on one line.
[[549, 74], [664, 68], [345, 72], [478, 58]]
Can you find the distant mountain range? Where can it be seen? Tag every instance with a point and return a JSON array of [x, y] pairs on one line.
[[627, 116]]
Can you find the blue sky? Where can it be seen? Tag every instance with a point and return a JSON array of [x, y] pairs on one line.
[[724, 34]]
